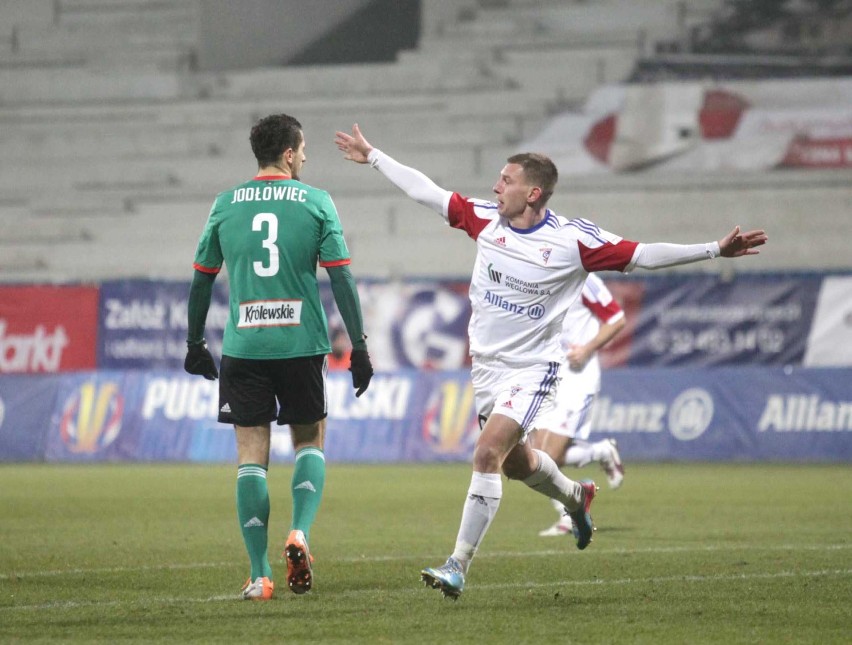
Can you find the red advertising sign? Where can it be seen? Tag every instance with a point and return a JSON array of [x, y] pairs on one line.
[[47, 329], [823, 152]]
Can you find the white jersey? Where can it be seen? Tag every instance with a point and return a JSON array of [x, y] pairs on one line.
[[584, 317], [570, 415], [524, 280], [581, 324]]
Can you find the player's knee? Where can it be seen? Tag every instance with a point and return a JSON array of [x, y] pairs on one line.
[[486, 459]]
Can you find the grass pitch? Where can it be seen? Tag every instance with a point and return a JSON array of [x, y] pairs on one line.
[[684, 554]]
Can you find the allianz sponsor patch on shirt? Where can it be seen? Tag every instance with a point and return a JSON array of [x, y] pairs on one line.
[[270, 313]]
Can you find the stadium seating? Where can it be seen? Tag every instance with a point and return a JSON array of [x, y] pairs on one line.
[[114, 145]]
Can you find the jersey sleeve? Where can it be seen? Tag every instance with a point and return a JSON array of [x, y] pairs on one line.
[[208, 253], [601, 250], [333, 251], [470, 215], [598, 300]]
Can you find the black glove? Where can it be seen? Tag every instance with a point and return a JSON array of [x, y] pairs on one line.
[[199, 361], [362, 370]]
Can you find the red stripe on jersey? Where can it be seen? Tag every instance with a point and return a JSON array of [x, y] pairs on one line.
[[203, 269], [602, 312], [608, 256], [335, 263], [462, 215], [271, 177]]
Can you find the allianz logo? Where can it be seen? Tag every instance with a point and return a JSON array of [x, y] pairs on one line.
[[687, 417], [534, 311], [691, 413], [805, 413]]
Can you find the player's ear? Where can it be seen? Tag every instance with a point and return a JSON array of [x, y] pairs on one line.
[[534, 194]]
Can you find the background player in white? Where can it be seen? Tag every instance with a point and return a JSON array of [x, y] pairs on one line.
[[530, 266], [590, 323]]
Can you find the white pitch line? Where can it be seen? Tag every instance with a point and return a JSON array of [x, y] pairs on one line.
[[401, 558], [663, 579], [144, 567], [412, 590], [612, 551]]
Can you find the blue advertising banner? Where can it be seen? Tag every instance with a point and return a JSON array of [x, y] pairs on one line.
[[683, 414], [26, 403], [403, 416], [168, 415], [142, 323], [90, 418], [672, 321], [706, 320], [418, 324], [413, 324], [731, 414]]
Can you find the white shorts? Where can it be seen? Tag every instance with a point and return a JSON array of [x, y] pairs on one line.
[[571, 415], [520, 393]]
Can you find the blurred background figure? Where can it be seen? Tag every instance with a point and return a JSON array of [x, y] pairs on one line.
[[591, 322], [341, 348]]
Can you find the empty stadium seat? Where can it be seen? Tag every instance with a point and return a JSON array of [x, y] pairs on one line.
[[111, 139]]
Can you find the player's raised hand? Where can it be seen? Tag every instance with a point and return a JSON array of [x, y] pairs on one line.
[[735, 244], [354, 147]]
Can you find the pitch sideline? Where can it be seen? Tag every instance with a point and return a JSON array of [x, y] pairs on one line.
[[415, 589], [396, 558]]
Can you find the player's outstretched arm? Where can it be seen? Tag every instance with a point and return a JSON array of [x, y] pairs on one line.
[[735, 243], [353, 146], [411, 181]]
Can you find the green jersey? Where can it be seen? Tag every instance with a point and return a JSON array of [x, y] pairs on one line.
[[272, 232]]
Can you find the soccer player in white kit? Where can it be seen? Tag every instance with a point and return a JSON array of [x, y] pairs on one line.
[[530, 266], [590, 323]]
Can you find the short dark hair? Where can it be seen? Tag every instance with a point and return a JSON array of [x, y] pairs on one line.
[[539, 170], [272, 136]]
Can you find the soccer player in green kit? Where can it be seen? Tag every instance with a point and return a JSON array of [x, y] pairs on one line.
[[271, 232]]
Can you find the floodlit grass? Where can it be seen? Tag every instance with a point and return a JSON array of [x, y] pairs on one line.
[[684, 554]]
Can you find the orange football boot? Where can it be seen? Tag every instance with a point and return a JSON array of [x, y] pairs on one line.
[[299, 559], [260, 589]]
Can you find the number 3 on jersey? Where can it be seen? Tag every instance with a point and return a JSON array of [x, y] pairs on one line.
[[269, 243]]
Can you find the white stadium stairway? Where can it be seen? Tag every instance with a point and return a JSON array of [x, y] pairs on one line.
[[114, 146]]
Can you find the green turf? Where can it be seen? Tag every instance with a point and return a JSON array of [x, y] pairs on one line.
[[683, 554]]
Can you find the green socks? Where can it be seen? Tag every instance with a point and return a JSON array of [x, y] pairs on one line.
[[253, 514], [253, 504], [307, 484]]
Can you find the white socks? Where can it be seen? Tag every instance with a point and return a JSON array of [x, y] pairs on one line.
[[582, 453], [483, 500], [549, 481], [480, 507]]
